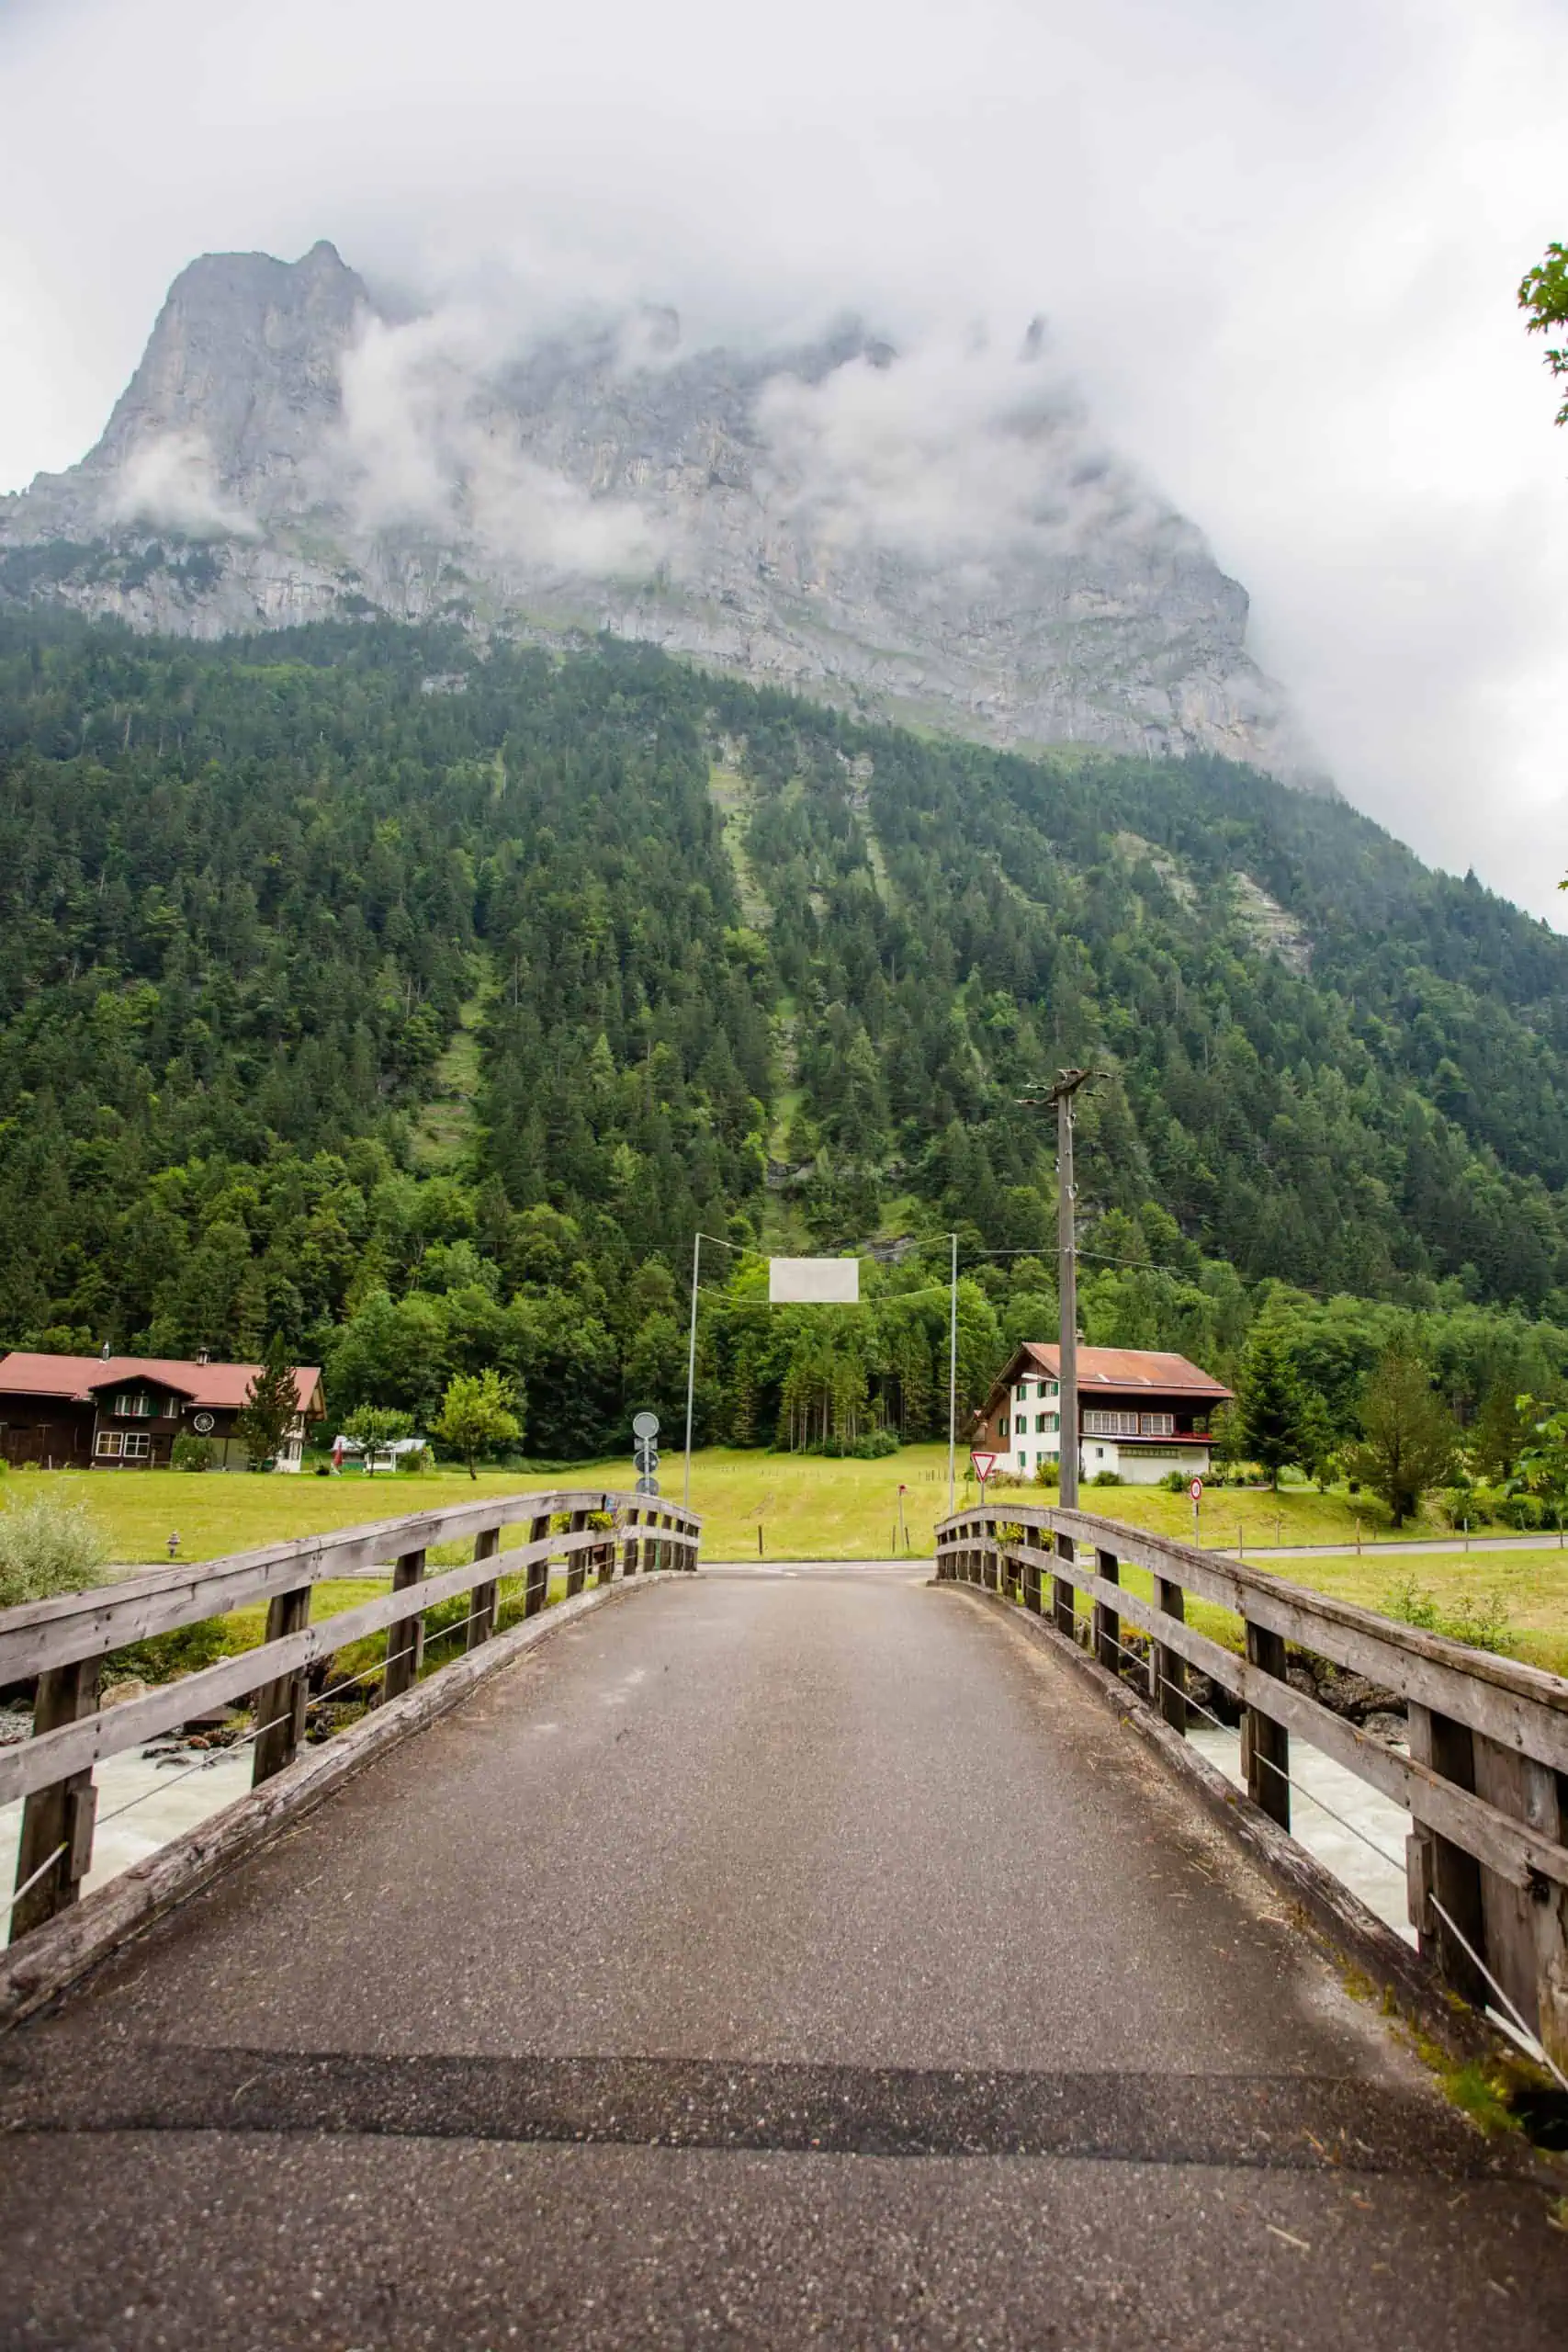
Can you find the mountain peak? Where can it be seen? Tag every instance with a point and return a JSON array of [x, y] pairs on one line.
[[946, 538]]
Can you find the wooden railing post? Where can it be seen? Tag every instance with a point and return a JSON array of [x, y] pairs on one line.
[[1031, 1573], [405, 1640], [1062, 1608], [1434, 1867], [481, 1624], [1169, 1692], [1264, 1744], [605, 1558], [1527, 1927], [629, 1542], [1106, 1622], [60, 1816], [990, 1566], [280, 1704], [576, 1562], [536, 1588]]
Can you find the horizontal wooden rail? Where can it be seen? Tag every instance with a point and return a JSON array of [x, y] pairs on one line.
[[1485, 1782], [105, 1618], [61, 1643]]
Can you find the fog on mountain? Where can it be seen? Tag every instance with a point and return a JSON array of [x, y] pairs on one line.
[[937, 532]]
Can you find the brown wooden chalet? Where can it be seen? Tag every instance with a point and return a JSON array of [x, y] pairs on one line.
[[125, 1412], [1141, 1413]]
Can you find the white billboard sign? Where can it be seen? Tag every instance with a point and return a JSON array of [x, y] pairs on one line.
[[814, 1282]]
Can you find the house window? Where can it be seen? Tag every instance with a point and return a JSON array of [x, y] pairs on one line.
[[174, 1406], [123, 1445], [1049, 1388], [1156, 1424], [1100, 1423], [133, 1404], [1002, 1429]]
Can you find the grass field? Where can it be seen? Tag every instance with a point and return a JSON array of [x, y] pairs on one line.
[[810, 1509]]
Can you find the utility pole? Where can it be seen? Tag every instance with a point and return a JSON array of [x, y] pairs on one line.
[[692, 1365], [952, 1383], [1062, 1095]]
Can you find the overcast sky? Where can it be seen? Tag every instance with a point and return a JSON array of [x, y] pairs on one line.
[[1278, 243]]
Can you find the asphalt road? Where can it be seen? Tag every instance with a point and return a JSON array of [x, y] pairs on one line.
[[766, 1960]]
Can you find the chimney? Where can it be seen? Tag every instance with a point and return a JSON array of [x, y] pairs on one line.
[[204, 1355]]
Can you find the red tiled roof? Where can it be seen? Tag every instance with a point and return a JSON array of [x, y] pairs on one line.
[[223, 1386], [1132, 1371]]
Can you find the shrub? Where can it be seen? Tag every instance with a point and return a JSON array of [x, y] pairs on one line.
[[1175, 1482], [1106, 1478], [1521, 1511], [192, 1452], [414, 1465], [1481, 1624], [48, 1545], [1048, 1473]]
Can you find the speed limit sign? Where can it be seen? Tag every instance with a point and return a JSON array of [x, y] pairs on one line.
[[1196, 1490]]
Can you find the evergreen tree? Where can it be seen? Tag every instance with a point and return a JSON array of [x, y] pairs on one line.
[[271, 1407], [1408, 1438], [1500, 1434], [1271, 1407]]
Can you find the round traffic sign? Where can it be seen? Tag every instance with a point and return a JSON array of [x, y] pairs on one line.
[[1196, 1490], [645, 1425]]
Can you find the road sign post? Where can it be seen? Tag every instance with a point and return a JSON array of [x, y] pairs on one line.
[[645, 1452], [1196, 1492]]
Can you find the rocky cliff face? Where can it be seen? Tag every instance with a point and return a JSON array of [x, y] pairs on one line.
[[936, 535]]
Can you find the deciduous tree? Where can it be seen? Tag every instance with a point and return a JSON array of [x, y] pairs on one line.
[[479, 1411]]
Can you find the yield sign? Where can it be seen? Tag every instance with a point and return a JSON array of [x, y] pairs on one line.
[[983, 1466]]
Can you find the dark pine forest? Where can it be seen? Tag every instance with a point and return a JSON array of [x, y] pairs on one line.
[[415, 1003]]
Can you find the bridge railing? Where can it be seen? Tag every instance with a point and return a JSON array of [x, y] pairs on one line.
[[59, 1645], [1485, 1780]]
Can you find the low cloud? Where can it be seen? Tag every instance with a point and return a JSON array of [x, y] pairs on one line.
[[957, 451], [173, 483], [430, 442]]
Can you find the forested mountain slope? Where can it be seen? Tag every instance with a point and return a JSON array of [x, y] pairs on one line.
[[730, 959]]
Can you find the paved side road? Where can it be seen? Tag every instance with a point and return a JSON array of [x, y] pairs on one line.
[[765, 1961]]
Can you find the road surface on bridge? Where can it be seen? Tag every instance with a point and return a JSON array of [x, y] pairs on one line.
[[763, 1961]]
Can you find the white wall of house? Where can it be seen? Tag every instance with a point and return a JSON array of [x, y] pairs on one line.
[[1034, 1425], [1142, 1466]]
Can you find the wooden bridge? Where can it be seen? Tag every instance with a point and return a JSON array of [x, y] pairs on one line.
[[741, 1958]]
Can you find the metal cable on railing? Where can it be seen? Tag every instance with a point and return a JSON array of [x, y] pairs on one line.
[[42, 1871], [161, 1788], [328, 1698], [1531, 2041]]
